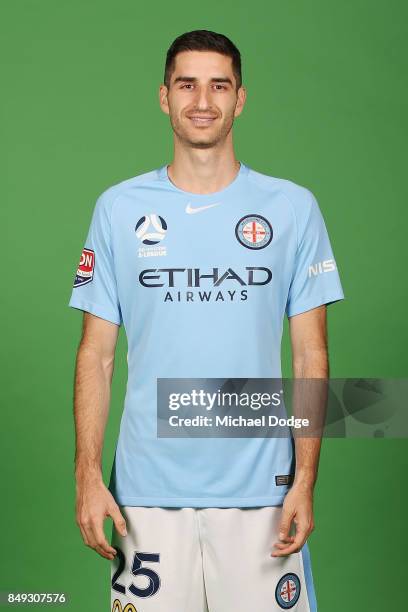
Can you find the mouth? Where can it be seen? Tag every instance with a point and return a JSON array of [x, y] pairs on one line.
[[199, 120]]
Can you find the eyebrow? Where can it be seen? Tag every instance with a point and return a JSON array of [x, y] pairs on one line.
[[189, 79]]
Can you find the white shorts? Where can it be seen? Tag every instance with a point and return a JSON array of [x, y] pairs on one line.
[[207, 560]]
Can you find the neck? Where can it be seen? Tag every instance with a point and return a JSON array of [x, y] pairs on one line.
[[203, 171]]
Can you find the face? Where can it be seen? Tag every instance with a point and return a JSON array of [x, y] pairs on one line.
[[202, 100]]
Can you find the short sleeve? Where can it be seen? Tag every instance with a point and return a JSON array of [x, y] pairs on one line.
[[94, 288], [315, 280]]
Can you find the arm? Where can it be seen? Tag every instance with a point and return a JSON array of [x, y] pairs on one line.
[[93, 377], [308, 332]]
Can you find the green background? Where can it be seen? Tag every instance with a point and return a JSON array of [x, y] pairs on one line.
[[326, 108]]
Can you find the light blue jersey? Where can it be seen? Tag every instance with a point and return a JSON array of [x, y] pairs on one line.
[[201, 284]]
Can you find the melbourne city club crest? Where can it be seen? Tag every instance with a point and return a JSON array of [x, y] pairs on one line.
[[287, 591], [151, 230], [254, 232]]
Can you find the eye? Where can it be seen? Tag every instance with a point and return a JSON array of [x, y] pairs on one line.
[[186, 85], [220, 86]]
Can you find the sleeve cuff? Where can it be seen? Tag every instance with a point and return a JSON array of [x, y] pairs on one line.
[[313, 303], [95, 309]]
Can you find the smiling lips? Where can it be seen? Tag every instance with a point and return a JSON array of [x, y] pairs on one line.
[[200, 120]]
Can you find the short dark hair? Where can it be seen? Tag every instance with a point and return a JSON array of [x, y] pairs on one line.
[[203, 40]]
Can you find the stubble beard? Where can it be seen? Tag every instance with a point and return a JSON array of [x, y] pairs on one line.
[[201, 143]]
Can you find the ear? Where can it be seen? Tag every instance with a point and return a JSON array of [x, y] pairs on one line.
[[163, 101], [242, 94]]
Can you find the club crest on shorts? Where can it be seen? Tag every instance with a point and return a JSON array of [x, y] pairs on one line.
[[287, 591], [254, 232], [86, 267]]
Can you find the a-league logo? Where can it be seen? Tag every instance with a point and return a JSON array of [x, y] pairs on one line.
[[151, 229]]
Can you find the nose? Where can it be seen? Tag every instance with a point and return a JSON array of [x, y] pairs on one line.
[[203, 98]]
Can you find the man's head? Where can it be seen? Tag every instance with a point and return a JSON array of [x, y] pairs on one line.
[[202, 91]]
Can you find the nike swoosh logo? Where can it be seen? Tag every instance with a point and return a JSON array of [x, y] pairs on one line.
[[191, 210]]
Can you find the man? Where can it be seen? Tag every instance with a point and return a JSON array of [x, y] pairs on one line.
[[200, 260]]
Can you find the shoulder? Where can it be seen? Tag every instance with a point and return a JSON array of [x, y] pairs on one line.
[[299, 199], [298, 196], [107, 198]]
